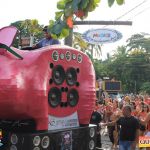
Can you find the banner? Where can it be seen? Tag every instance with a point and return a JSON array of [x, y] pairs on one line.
[[55, 123], [101, 36]]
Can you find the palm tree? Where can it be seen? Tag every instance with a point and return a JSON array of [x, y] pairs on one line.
[[90, 49]]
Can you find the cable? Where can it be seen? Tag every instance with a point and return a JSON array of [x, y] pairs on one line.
[[131, 10], [139, 13], [128, 11]]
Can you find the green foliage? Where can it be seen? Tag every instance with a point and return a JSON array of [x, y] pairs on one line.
[[120, 2], [61, 4], [84, 4], [26, 29], [138, 41], [111, 2], [145, 87], [85, 47], [58, 14], [129, 64], [100, 69], [69, 10]]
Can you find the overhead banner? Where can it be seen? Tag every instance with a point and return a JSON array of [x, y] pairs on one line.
[[101, 36]]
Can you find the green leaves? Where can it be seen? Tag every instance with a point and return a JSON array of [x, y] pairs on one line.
[[96, 1], [58, 14], [120, 2], [51, 23], [73, 9], [145, 87], [65, 32], [110, 2], [84, 4], [68, 12], [57, 28], [61, 4], [75, 5]]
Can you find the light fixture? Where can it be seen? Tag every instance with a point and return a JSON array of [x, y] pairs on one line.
[[55, 56], [45, 142], [36, 140], [14, 139], [68, 56], [79, 58]]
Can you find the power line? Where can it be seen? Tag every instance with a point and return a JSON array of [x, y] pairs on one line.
[[129, 11], [148, 8], [132, 9]]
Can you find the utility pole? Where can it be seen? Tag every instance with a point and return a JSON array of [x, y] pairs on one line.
[[68, 40]]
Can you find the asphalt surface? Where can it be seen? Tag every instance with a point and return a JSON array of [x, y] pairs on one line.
[[106, 144]]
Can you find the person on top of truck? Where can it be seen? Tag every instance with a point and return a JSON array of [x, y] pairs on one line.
[[47, 40]]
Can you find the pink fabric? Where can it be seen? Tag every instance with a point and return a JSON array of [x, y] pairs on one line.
[[7, 35]]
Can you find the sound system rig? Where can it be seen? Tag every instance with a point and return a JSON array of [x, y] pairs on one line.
[[46, 99]]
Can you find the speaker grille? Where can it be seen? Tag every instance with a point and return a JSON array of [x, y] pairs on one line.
[[54, 97], [73, 97], [71, 76], [58, 74]]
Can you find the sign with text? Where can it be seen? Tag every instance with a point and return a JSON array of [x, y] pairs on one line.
[[55, 123], [101, 36], [144, 141]]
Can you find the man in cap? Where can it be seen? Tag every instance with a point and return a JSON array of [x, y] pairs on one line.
[[47, 40]]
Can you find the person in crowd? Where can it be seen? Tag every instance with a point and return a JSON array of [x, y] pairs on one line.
[[142, 116], [129, 129], [96, 118], [113, 131], [146, 121], [127, 100], [133, 106]]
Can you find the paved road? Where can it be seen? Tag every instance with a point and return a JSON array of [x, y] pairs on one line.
[[106, 144]]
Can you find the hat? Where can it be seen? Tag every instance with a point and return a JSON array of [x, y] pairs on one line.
[[45, 29]]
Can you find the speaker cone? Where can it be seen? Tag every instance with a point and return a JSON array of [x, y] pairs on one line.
[[71, 76], [54, 97], [58, 74], [73, 97]]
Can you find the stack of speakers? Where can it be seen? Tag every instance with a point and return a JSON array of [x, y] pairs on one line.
[[59, 76]]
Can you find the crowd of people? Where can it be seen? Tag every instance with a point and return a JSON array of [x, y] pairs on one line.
[[125, 120]]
